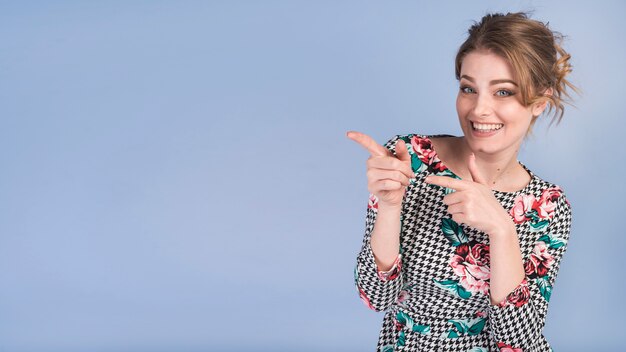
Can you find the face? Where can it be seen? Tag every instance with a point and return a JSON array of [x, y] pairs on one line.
[[489, 106]]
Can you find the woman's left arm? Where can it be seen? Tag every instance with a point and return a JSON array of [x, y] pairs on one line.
[[520, 288], [517, 320]]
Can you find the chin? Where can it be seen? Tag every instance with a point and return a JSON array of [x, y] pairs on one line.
[[485, 145]]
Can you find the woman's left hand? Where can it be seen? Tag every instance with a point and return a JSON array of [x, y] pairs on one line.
[[473, 202]]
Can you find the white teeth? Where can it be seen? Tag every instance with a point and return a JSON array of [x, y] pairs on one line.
[[487, 127]]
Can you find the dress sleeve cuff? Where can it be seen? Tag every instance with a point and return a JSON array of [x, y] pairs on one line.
[[392, 273], [518, 297]]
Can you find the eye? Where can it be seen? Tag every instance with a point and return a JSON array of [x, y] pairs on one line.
[[467, 90], [504, 93]]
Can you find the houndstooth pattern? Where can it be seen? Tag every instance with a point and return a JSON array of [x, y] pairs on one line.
[[425, 256]]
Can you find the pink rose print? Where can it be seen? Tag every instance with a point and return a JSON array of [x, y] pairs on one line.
[[470, 262], [507, 348], [402, 297], [518, 297], [527, 207], [423, 148], [392, 273], [547, 202], [373, 202], [399, 325], [539, 262], [523, 203]]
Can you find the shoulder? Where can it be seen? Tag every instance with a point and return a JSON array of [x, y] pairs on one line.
[[542, 208], [545, 188], [551, 200]]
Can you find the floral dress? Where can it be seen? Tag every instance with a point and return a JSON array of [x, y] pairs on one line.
[[436, 295]]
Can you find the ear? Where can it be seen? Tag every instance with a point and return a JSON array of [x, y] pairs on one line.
[[540, 107]]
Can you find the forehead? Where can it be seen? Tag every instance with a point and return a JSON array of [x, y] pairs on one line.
[[485, 65]]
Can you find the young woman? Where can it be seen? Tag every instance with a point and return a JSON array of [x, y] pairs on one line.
[[463, 242]]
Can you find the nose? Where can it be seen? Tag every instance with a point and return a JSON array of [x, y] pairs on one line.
[[482, 105]]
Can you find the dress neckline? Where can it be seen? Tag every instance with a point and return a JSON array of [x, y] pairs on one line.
[[436, 156]]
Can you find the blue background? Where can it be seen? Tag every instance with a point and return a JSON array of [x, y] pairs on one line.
[[174, 175]]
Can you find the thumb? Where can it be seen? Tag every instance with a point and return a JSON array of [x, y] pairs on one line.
[[473, 169], [402, 151]]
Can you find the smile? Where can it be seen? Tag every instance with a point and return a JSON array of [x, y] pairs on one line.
[[486, 127]]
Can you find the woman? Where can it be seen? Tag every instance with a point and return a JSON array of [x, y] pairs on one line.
[[463, 242]]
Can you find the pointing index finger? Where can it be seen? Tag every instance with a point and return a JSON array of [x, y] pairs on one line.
[[368, 143]]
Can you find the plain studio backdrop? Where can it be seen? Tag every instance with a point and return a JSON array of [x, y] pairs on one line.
[[175, 175]]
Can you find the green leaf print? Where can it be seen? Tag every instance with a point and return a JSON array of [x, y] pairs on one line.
[[416, 163], [469, 327], [408, 286], [477, 327], [478, 349], [401, 339], [453, 287], [553, 240], [453, 232], [452, 334], [387, 348], [407, 321], [460, 325], [422, 329], [544, 287], [462, 292], [532, 215], [404, 319], [539, 226]]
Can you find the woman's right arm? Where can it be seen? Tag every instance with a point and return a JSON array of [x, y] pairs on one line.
[[378, 274], [379, 281]]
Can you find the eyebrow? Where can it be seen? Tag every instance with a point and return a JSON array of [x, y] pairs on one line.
[[495, 81]]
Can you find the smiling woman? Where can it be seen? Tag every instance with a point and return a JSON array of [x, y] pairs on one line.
[[488, 104], [463, 242]]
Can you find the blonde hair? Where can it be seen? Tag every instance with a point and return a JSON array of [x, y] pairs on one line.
[[535, 53]]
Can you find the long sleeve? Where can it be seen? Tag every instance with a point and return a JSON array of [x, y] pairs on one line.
[[378, 289], [517, 321]]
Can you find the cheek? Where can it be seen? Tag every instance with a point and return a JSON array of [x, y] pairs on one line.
[[461, 106], [515, 113]]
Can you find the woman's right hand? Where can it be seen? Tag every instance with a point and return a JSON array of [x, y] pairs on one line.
[[388, 175]]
